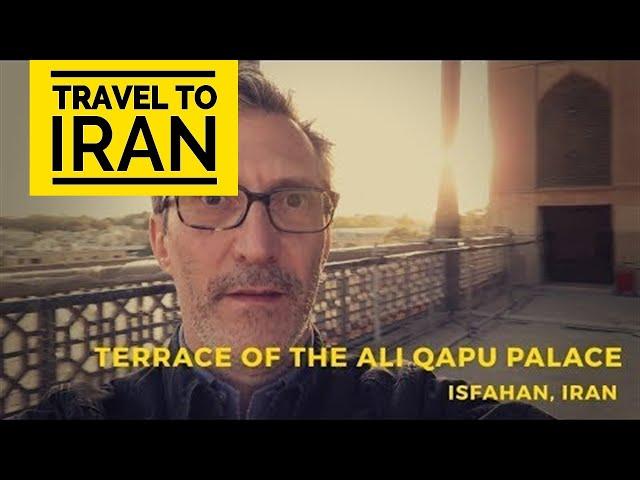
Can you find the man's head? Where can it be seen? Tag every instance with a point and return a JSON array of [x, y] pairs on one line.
[[253, 281]]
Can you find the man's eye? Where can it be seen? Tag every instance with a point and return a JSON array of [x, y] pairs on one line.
[[294, 200], [213, 201]]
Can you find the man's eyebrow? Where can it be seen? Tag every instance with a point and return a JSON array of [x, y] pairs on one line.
[[296, 182]]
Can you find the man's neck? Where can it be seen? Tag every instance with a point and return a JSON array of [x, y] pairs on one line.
[[244, 380]]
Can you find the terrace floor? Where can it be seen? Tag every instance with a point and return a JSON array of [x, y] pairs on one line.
[[559, 316]]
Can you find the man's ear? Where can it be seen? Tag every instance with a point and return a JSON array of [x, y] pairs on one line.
[[157, 239]]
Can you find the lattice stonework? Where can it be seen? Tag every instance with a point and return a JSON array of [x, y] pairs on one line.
[[21, 354], [346, 303], [343, 307], [329, 311], [144, 321], [52, 340], [410, 286], [480, 272]]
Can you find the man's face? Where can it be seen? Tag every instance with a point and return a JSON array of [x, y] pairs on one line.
[[252, 285]]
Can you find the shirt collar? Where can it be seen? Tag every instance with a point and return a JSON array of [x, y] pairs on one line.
[[185, 386]]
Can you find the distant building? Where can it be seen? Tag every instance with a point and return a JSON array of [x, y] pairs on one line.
[[567, 165], [23, 257]]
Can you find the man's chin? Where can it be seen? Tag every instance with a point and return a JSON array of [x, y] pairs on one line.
[[260, 326]]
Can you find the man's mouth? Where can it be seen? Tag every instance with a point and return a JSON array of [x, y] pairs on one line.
[[255, 295]]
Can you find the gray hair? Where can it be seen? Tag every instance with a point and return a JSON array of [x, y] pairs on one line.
[[256, 92]]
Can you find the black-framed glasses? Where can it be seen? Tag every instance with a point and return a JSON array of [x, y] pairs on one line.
[[290, 209]]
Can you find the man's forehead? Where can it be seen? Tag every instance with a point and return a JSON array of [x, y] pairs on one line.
[[273, 149], [272, 131]]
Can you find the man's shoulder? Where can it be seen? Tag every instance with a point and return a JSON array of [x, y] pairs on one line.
[[407, 392], [133, 396]]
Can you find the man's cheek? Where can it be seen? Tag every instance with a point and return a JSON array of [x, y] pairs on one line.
[[187, 271], [187, 255], [306, 256]]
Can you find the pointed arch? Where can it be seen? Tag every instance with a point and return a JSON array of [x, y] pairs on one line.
[[574, 133]]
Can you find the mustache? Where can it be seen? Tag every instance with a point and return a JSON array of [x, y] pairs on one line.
[[253, 276]]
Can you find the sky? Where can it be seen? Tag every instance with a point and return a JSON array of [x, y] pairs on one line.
[[384, 119]]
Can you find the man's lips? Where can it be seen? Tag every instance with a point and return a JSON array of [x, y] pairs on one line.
[[264, 295]]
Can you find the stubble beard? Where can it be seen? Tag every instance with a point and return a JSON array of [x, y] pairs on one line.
[[282, 325]]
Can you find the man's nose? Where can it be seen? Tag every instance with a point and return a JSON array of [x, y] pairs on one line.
[[257, 239]]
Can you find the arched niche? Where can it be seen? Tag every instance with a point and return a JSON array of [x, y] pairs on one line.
[[574, 134]]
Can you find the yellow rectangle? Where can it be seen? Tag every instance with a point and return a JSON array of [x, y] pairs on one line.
[[148, 127]]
